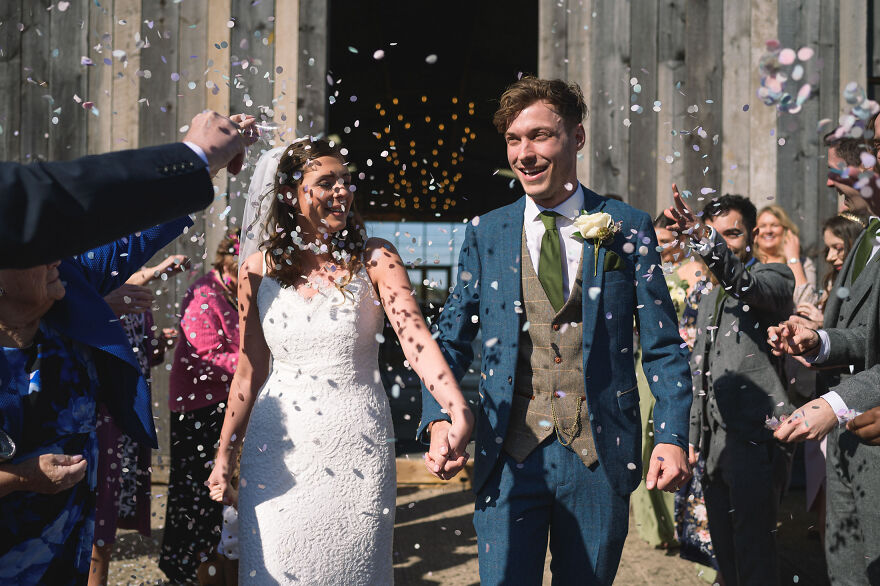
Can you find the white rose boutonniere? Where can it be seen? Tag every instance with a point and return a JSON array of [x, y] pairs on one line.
[[598, 227]]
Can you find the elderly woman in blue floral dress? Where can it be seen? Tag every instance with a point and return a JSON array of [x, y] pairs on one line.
[[61, 351]]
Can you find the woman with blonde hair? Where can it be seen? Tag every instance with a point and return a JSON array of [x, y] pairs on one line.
[[776, 240]]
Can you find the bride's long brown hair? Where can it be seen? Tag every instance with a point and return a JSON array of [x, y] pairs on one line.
[[285, 246]]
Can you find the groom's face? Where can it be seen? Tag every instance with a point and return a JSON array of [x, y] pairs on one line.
[[542, 151]]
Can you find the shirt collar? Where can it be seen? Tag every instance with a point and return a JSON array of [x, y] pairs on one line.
[[571, 208]]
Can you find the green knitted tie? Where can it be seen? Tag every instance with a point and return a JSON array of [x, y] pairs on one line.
[[863, 252], [550, 261]]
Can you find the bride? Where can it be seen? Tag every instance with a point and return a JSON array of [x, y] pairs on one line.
[[317, 482]]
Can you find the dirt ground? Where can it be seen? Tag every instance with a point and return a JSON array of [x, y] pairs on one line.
[[435, 543]]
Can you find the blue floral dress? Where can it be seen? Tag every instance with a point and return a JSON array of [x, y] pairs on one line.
[[47, 405]]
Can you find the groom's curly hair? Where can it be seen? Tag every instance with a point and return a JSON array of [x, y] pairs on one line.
[[565, 98], [283, 252]]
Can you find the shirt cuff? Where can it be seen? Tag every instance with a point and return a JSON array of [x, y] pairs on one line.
[[198, 150], [837, 405], [824, 349]]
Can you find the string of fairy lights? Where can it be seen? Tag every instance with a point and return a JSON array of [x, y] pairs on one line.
[[424, 176]]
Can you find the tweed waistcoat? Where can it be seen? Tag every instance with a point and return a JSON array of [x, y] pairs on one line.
[[549, 373]]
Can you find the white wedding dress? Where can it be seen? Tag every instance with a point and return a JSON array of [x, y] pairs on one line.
[[318, 484]]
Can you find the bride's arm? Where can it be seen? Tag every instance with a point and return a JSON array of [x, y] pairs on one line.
[[253, 368], [388, 273]]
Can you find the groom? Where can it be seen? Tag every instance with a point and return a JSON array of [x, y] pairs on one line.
[[559, 434]]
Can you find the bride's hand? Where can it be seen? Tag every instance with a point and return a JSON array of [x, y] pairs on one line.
[[218, 485], [460, 433]]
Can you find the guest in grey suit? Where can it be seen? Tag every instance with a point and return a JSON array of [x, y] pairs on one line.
[[849, 341], [737, 386]]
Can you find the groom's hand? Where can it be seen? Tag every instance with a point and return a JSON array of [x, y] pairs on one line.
[[669, 468], [439, 458]]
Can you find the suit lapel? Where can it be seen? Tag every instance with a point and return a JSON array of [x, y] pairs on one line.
[[592, 203], [510, 263]]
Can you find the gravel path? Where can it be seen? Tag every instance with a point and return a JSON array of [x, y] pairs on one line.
[[435, 543]]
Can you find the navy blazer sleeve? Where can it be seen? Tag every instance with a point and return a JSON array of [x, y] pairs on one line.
[[55, 210]]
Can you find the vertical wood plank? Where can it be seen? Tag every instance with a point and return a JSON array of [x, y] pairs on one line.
[[852, 44], [127, 76], [217, 99], [68, 78], [158, 112], [286, 65], [797, 187], [36, 108], [762, 121], [643, 145], [100, 79], [703, 63], [312, 86], [252, 57], [10, 80], [553, 52], [610, 96], [578, 66], [829, 92], [673, 103], [737, 92]]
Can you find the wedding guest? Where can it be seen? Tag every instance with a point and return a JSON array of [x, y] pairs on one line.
[[60, 352], [839, 233], [736, 387], [53, 210], [204, 363], [776, 240], [123, 495]]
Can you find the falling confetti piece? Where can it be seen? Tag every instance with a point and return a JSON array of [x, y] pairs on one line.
[[431, 59], [378, 54], [805, 53]]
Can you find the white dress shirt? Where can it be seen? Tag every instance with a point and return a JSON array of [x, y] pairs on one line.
[[832, 397], [569, 247]]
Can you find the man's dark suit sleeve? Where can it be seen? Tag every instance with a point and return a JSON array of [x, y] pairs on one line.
[[50, 211]]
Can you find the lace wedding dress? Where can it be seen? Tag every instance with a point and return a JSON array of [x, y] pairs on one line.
[[317, 490]]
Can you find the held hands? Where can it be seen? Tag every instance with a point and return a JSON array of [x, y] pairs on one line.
[[684, 217], [809, 312], [223, 139], [867, 426], [448, 451], [669, 468], [129, 299], [812, 421], [219, 487], [51, 473], [792, 337]]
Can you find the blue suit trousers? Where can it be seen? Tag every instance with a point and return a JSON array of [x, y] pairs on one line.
[[549, 495]]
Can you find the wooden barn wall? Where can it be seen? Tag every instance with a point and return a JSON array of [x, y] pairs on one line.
[[696, 119]]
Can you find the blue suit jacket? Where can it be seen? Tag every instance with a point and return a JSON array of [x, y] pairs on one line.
[[488, 285], [84, 316]]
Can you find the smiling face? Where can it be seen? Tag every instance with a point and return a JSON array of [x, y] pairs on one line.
[[849, 198], [731, 227], [836, 249], [769, 234], [543, 153], [324, 196], [29, 293]]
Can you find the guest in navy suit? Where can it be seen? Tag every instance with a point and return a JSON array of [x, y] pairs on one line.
[[61, 351], [54, 210], [555, 282]]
